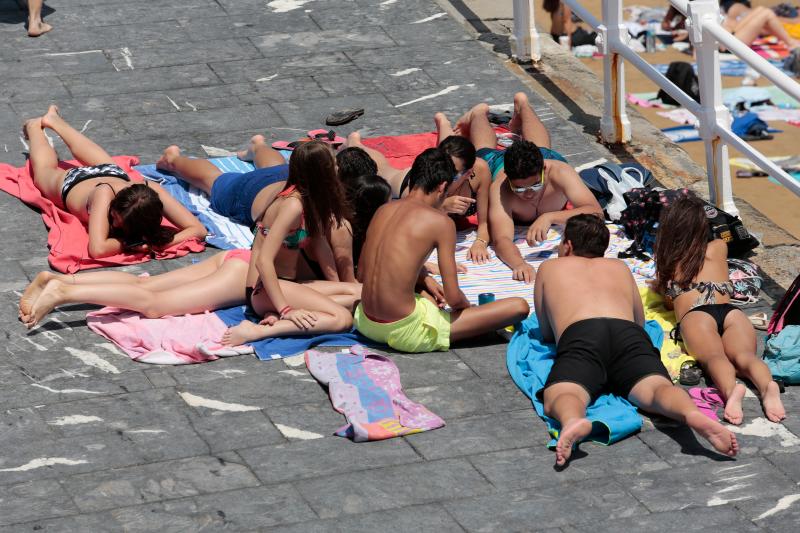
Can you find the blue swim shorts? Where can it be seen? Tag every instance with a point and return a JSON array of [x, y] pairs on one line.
[[233, 193], [495, 158]]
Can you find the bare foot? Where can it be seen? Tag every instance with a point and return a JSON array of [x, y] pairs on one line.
[[571, 434], [733, 406], [442, 124], [31, 124], [250, 153], [52, 116], [31, 294], [772, 404], [50, 297], [354, 139], [715, 433], [167, 159], [520, 100], [245, 331], [38, 28]]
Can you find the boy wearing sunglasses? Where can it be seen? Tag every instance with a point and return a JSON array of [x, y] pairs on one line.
[[532, 184]]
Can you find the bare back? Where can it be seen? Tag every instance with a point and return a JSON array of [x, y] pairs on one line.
[[714, 269], [572, 288], [399, 240]]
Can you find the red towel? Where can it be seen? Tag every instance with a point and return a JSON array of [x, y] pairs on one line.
[[401, 150], [68, 238]]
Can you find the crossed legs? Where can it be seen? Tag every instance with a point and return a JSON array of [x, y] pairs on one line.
[[759, 21]]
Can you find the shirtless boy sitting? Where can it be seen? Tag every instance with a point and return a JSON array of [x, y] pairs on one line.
[[532, 184], [399, 240], [590, 306]]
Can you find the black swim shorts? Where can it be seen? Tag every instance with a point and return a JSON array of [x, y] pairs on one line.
[[605, 355]]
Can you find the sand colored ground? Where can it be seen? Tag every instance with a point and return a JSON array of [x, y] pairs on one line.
[[773, 200]]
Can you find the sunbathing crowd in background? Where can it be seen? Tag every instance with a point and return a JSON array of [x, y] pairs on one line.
[[343, 239]]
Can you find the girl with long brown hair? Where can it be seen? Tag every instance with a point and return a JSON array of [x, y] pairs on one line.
[[692, 274], [269, 279]]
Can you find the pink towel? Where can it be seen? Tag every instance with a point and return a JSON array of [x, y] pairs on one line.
[[68, 238], [172, 340]]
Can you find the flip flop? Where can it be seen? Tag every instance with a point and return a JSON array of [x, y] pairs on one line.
[[760, 321], [704, 406], [338, 118], [690, 374], [286, 145], [327, 136]]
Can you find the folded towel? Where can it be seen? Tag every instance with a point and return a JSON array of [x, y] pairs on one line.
[[365, 387], [68, 238], [529, 361]]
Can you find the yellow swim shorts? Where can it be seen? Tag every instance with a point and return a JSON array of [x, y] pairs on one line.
[[427, 329]]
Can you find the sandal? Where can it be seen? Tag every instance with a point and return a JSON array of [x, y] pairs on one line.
[[326, 136], [285, 145], [344, 116], [760, 321], [690, 374]]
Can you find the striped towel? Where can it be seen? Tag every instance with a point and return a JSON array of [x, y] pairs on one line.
[[222, 232], [495, 276]]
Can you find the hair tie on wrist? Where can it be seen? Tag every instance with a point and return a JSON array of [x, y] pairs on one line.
[[285, 310]]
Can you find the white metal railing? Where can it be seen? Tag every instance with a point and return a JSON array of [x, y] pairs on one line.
[[706, 34]]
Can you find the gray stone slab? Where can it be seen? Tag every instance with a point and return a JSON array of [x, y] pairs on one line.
[[779, 514], [228, 431], [449, 73], [330, 456], [402, 57], [318, 417], [692, 519], [440, 30], [271, 68], [482, 434], [120, 36], [535, 466], [283, 90], [487, 361], [255, 23], [709, 484], [312, 113], [154, 79], [212, 120], [297, 43], [154, 482], [21, 425], [144, 55], [27, 89], [418, 518], [392, 487], [36, 499], [453, 100], [76, 16], [471, 397], [419, 370], [374, 14], [524, 510]]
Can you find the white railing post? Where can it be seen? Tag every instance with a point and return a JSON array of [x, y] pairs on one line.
[[525, 39], [614, 126], [713, 111]]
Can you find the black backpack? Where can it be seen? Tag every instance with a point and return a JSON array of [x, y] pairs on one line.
[[681, 74]]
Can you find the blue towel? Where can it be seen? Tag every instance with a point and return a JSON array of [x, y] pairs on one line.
[[222, 232], [735, 67], [683, 134], [278, 347], [529, 361]]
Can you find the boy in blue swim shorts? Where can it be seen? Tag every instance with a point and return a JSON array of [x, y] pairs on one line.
[[401, 304], [532, 183]]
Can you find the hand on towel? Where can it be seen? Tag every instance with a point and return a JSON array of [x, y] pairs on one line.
[[478, 252], [457, 205], [524, 272], [538, 231]]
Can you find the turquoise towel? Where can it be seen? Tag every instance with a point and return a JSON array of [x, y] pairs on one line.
[[529, 361]]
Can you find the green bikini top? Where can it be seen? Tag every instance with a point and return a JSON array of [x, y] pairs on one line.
[[295, 240]]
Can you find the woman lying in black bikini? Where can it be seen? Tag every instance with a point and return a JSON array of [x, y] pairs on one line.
[[120, 215], [693, 275]]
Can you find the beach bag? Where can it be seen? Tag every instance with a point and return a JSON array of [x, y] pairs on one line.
[[746, 281], [640, 218], [681, 74], [625, 176], [787, 313], [731, 230], [782, 355]]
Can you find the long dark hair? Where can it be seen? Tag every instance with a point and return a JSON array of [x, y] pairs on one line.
[[366, 194], [680, 248], [312, 170], [141, 211]]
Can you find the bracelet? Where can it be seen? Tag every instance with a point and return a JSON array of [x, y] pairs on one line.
[[484, 241], [285, 310]]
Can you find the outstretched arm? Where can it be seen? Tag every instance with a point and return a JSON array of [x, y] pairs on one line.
[[189, 227], [446, 252], [479, 252], [501, 227]]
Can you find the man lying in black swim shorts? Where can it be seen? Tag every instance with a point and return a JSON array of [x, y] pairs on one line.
[[590, 306]]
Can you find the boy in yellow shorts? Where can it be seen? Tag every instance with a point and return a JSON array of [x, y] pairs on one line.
[[401, 303]]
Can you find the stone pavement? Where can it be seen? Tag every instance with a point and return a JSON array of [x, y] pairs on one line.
[[92, 441]]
